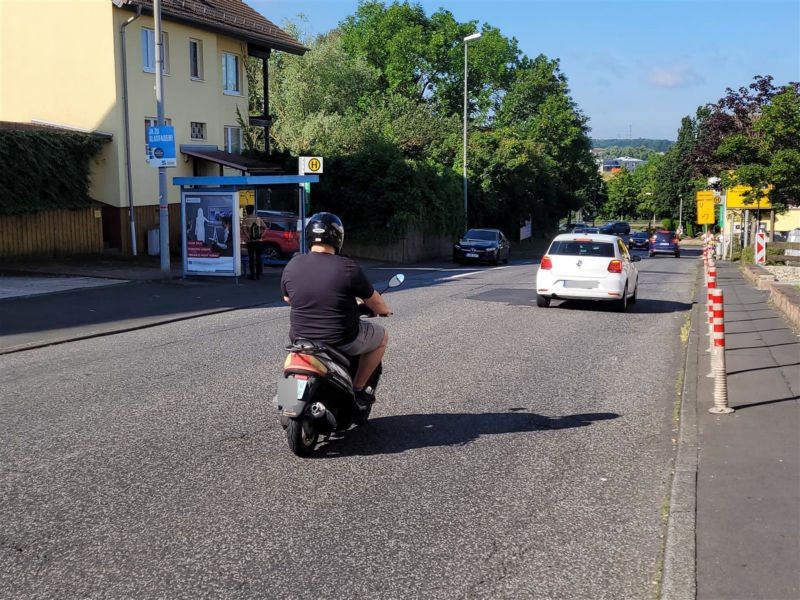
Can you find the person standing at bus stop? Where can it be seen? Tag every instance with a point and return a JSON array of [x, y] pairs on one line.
[[252, 229]]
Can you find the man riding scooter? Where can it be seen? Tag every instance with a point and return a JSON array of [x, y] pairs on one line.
[[323, 288]]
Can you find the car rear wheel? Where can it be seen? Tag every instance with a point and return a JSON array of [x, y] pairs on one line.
[[272, 252], [622, 303], [651, 254], [635, 291], [677, 255], [542, 301]]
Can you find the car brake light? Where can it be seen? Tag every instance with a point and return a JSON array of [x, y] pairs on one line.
[[546, 263], [615, 266]]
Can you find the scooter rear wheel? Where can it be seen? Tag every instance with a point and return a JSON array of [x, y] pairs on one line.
[[302, 435]]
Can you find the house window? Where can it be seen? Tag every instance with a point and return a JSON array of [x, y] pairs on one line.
[[196, 59], [233, 139], [198, 130], [149, 51], [231, 81]]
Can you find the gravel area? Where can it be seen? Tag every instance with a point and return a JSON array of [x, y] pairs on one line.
[[782, 273]]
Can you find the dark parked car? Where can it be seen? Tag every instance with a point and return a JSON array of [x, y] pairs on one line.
[[665, 242], [569, 227], [638, 239], [586, 230], [616, 228], [482, 244]]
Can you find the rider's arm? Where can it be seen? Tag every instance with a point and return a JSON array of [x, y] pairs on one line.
[[378, 305]]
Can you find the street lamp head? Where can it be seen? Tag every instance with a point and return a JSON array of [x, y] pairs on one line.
[[474, 36]]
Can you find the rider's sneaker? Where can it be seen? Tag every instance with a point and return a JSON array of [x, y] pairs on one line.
[[365, 397]]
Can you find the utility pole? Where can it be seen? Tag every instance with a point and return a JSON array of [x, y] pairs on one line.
[[469, 38], [163, 197]]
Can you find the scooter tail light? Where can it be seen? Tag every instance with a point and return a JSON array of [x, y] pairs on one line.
[[304, 363], [615, 266], [546, 263]]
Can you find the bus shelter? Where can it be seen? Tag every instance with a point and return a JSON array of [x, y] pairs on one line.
[[210, 217]]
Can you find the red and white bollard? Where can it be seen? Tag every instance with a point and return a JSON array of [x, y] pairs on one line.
[[718, 358], [712, 285]]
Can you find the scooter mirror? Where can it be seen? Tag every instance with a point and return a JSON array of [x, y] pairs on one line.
[[397, 280]]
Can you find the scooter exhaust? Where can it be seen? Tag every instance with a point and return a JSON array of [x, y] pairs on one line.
[[318, 411]]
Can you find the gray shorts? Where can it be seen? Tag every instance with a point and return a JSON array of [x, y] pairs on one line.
[[370, 336]]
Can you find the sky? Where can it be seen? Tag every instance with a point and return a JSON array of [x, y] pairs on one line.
[[634, 67]]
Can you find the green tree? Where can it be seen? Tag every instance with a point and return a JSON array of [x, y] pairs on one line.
[[674, 178], [623, 196]]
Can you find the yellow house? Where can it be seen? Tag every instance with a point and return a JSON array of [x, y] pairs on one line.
[[90, 65]]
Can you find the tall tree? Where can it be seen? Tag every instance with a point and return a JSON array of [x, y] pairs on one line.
[[674, 178]]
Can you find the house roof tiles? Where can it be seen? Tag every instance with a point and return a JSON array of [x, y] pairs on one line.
[[227, 16]]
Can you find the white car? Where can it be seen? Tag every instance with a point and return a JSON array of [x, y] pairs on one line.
[[581, 266]]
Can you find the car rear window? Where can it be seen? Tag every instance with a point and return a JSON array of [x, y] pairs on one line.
[[663, 236], [576, 248], [481, 234], [290, 225]]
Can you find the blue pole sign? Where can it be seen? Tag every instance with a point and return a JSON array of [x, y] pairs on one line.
[[161, 146]]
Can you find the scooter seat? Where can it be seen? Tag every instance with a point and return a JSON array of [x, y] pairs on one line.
[[305, 344]]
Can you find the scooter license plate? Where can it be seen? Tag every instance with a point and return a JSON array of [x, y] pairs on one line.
[[291, 388]]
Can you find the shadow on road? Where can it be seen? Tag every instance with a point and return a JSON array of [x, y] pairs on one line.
[[392, 435], [643, 306]]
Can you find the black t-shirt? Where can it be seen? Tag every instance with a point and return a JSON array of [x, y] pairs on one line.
[[322, 289]]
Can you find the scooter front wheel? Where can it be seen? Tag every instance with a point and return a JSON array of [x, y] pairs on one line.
[[301, 435]]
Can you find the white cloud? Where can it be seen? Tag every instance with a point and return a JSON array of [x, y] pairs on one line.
[[673, 76]]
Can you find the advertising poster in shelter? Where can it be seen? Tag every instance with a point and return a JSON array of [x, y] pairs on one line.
[[210, 233]]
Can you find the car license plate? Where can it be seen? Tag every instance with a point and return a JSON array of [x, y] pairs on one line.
[[583, 285], [471, 255], [663, 243]]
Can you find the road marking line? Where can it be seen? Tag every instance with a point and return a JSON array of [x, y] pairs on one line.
[[462, 275]]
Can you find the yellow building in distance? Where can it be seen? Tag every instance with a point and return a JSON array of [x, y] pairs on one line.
[[61, 64]]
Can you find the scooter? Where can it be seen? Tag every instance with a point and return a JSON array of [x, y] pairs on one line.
[[315, 395]]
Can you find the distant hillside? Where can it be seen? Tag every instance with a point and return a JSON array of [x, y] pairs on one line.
[[655, 145]]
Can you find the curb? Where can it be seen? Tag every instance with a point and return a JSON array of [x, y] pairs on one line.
[[679, 580], [786, 298]]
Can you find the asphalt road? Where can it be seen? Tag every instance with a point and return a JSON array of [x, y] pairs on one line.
[[515, 452]]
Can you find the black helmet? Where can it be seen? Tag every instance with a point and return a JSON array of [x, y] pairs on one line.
[[325, 228]]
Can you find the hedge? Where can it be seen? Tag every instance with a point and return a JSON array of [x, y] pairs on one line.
[[42, 170]]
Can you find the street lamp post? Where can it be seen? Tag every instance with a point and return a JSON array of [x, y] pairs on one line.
[[469, 38]]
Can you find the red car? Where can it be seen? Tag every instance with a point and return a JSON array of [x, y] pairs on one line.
[[281, 238]]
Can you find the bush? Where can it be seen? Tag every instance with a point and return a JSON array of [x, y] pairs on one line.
[[747, 255], [668, 223], [45, 170]]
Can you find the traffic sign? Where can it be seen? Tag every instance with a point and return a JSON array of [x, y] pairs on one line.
[[310, 164], [761, 248], [161, 146], [705, 208]]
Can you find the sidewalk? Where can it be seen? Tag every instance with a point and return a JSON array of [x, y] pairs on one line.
[[747, 511], [33, 321]]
